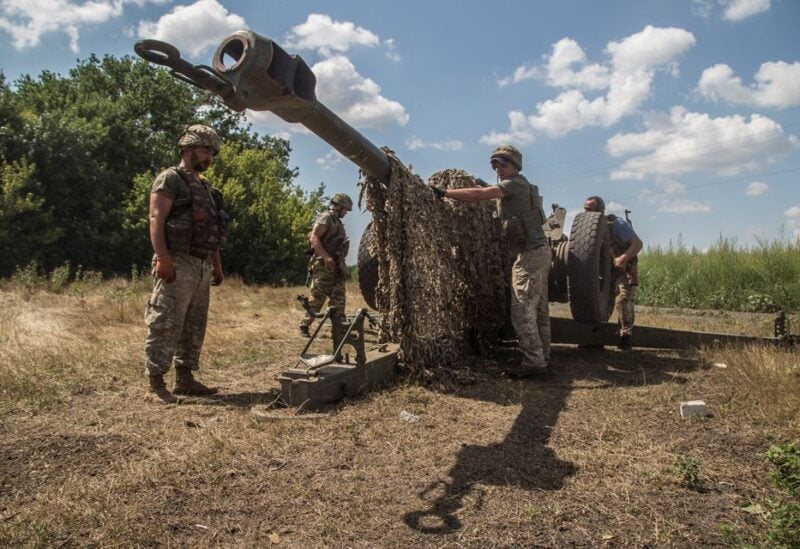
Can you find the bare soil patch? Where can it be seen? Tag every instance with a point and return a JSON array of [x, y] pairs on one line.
[[596, 454]]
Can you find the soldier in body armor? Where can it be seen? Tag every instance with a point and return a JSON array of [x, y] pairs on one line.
[[327, 268], [625, 245], [520, 211], [188, 226]]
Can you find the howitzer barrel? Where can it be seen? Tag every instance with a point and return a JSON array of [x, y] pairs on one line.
[[252, 72]]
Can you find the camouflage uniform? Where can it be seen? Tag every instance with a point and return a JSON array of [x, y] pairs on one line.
[[627, 280], [324, 283], [521, 215], [177, 311]]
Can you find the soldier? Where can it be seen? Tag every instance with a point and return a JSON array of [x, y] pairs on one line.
[[327, 268], [625, 245], [188, 226], [521, 215]]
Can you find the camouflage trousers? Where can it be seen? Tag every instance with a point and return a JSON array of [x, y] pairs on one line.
[[176, 316], [326, 285], [623, 304], [530, 312]]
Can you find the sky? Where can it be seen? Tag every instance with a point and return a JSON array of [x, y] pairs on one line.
[[685, 112]]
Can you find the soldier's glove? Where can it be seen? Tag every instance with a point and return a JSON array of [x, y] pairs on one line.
[[165, 268], [438, 192]]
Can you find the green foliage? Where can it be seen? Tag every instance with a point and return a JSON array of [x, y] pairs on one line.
[[270, 216], [785, 516], [687, 469], [78, 155], [764, 278]]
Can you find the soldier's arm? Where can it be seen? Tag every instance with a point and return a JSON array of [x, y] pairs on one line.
[[217, 275], [160, 206], [634, 247], [315, 239], [475, 194]]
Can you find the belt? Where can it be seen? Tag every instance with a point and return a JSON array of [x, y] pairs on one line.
[[199, 255]]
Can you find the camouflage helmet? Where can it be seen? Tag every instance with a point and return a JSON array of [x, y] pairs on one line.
[[509, 153], [198, 135], [341, 199], [599, 204]]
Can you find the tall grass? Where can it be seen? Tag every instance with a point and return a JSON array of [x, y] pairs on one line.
[[728, 276]]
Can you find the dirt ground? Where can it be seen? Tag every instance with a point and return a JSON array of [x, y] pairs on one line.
[[595, 454]]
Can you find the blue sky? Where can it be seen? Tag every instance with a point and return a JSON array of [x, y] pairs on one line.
[[686, 112]]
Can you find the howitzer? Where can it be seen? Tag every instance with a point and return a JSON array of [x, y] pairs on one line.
[[250, 71]]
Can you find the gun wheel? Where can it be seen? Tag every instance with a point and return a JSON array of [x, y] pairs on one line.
[[589, 269]]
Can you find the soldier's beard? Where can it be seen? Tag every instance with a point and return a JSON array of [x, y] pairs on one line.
[[199, 165]]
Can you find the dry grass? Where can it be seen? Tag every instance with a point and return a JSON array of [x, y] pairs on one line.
[[596, 455]]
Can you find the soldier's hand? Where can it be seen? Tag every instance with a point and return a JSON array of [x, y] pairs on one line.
[[620, 262], [165, 268], [330, 264], [439, 192], [217, 277]]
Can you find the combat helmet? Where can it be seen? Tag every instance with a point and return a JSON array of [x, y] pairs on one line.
[[343, 200], [509, 153], [198, 135]]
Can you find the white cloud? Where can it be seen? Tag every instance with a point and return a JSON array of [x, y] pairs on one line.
[[649, 48], [321, 33], [519, 132], [195, 28], [331, 159], [669, 197], [702, 8], [560, 73], [627, 77], [777, 84], [520, 74], [756, 188], [356, 99], [616, 208], [391, 54], [416, 143], [736, 10], [688, 141], [793, 212], [733, 10], [27, 20]]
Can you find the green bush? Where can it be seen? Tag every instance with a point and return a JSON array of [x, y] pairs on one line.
[[784, 517], [764, 278]]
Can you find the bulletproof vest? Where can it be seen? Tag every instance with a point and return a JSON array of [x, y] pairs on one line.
[[197, 223], [335, 241], [521, 219]]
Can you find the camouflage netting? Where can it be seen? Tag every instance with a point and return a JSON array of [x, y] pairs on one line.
[[441, 283]]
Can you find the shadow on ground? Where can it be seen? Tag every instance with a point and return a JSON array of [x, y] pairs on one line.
[[523, 458]]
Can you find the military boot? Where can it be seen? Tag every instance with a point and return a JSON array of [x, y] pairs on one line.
[[625, 343], [159, 388], [186, 384]]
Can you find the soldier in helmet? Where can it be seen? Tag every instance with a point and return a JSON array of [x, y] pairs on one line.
[[625, 245], [521, 215], [327, 268], [188, 226]]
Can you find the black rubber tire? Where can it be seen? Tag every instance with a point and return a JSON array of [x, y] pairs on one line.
[[368, 266], [589, 269]]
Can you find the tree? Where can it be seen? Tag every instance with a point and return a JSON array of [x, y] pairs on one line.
[[85, 148], [270, 216]]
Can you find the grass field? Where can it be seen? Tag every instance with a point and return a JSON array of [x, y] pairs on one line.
[[594, 455]]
